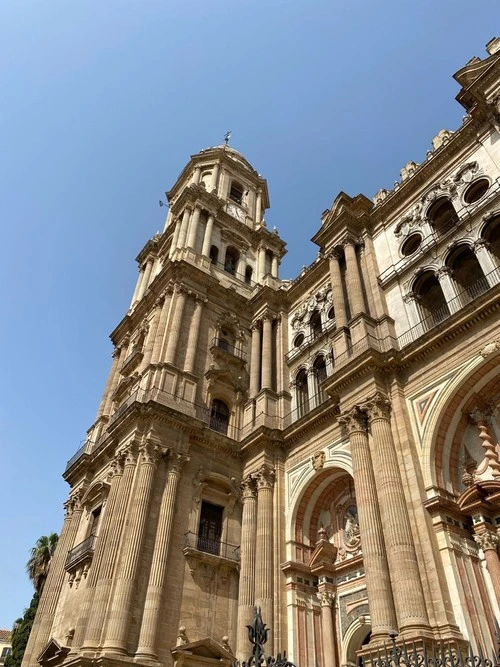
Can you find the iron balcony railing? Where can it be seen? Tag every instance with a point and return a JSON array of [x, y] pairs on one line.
[[233, 272], [211, 546], [223, 344], [80, 552]]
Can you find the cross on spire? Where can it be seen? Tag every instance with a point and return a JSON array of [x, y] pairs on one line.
[[227, 136]]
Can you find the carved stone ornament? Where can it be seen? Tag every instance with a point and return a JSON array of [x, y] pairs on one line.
[[318, 460], [265, 477], [408, 170], [490, 348], [150, 452], [380, 196], [466, 173], [351, 526], [487, 540], [326, 598], [355, 421], [378, 407], [248, 487], [442, 138], [411, 220], [177, 462]]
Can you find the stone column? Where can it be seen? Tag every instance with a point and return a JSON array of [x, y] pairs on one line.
[[175, 237], [378, 582], [120, 608], [258, 209], [267, 352], [246, 597], [145, 278], [42, 627], [196, 175], [215, 177], [175, 329], [449, 290], [116, 377], [255, 361], [490, 452], [193, 228], [184, 228], [194, 332], [207, 239], [275, 266], [152, 333], [160, 332], [240, 269], [109, 382], [312, 388], [489, 541], [327, 599], [264, 561], [354, 288], [100, 548], [137, 286], [261, 263], [405, 576], [117, 518], [339, 305], [155, 591], [487, 261]]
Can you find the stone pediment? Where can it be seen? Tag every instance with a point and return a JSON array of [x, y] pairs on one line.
[[53, 653], [202, 652], [323, 557]]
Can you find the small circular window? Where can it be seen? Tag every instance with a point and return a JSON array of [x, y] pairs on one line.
[[298, 340], [476, 190], [411, 245]]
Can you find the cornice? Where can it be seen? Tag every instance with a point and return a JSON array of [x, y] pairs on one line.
[[314, 273]]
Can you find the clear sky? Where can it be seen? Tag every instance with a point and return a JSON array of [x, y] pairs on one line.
[[101, 105]]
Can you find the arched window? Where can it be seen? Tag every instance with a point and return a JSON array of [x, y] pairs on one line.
[[320, 368], [491, 234], [430, 296], [226, 339], [442, 215], [236, 192], [219, 416], [231, 260], [302, 393], [214, 254], [315, 324], [248, 275], [467, 272]]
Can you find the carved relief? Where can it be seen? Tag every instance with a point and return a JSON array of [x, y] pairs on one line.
[[318, 460]]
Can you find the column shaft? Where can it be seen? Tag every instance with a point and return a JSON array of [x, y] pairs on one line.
[[267, 353], [255, 361], [114, 382], [264, 561], [378, 582], [110, 553], [112, 372], [194, 332], [246, 598], [137, 287], [215, 177], [353, 279], [40, 633], [175, 329], [258, 207], [489, 541], [160, 332], [262, 263], [275, 266], [97, 560], [193, 228], [120, 609], [184, 228], [175, 237], [157, 574], [327, 629], [207, 239], [153, 329], [145, 279], [402, 558]]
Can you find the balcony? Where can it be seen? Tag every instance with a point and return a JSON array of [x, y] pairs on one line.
[[81, 553], [222, 344], [193, 541]]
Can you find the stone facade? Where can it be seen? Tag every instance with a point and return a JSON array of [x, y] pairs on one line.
[[325, 448]]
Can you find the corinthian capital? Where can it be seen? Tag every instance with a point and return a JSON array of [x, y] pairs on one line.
[[248, 487], [487, 540], [326, 598], [150, 452], [355, 421], [177, 462], [378, 407], [265, 477]]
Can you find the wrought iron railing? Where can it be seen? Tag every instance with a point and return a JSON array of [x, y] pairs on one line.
[[81, 551], [223, 344], [328, 326], [211, 546]]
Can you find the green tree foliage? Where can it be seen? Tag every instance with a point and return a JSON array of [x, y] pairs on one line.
[[37, 568], [21, 632]]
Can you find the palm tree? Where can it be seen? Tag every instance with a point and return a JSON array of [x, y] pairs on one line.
[[38, 564]]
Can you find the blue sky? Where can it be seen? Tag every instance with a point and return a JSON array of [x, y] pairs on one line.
[[101, 105]]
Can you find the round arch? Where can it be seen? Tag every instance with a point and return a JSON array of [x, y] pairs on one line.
[[354, 637], [445, 415]]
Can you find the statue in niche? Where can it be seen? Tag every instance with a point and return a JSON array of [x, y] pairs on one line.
[[351, 526]]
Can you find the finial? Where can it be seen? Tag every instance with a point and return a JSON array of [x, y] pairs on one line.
[[227, 136]]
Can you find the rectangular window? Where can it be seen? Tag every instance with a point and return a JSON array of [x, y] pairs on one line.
[[210, 529]]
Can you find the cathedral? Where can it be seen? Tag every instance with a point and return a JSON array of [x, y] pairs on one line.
[[324, 448]]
